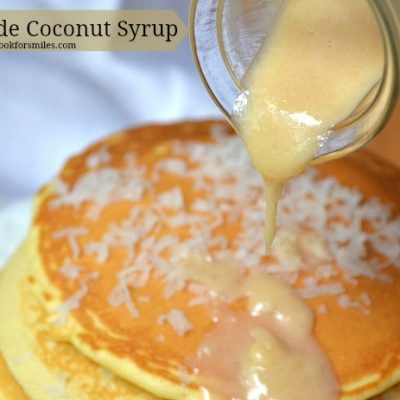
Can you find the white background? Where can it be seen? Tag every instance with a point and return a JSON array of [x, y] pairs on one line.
[[55, 104]]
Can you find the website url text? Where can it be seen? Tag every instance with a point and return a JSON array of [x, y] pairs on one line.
[[43, 45]]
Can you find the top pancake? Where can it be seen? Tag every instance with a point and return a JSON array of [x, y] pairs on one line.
[[108, 236]]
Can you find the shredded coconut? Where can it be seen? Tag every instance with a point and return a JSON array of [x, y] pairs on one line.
[[320, 224], [172, 199], [171, 165], [178, 320], [121, 296], [103, 187], [99, 158], [331, 289], [70, 271], [72, 234], [75, 300]]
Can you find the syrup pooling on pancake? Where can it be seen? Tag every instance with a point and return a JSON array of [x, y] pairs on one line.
[[164, 193], [254, 353]]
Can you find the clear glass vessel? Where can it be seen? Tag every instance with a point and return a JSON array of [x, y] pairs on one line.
[[227, 34]]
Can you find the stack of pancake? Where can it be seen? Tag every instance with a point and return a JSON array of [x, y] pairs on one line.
[[98, 304]]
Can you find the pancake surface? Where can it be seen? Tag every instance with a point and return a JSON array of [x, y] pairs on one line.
[[109, 236], [9, 387], [46, 366]]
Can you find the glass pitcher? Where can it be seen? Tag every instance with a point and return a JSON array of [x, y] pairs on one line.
[[227, 34]]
